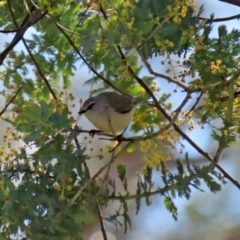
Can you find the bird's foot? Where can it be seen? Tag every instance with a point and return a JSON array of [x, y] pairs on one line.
[[93, 132], [120, 138]]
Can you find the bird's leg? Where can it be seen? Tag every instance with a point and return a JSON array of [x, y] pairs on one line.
[[120, 137]]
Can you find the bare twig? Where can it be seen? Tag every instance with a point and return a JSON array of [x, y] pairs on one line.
[[97, 204], [79, 22], [10, 101], [108, 82], [161, 191], [156, 74], [27, 22], [103, 230], [195, 104], [32, 57], [89, 181], [11, 31], [61, 29], [227, 81], [210, 20], [39, 70], [233, 2]]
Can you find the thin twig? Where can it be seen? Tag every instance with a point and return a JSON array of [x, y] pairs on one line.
[[97, 205], [227, 81], [79, 22], [60, 27], [218, 154], [89, 181], [108, 82], [107, 172], [27, 22], [32, 57], [233, 2], [210, 20], [11, 100], [195, 104], [11, 31], [156, 74], [39, 70], [161, 191], [103, 230]]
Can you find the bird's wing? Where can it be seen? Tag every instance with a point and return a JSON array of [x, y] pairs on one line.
[[121, 104]]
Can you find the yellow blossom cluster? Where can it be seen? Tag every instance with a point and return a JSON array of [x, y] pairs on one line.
[[61, 103], [8, 153], [154, 153], [163, 43], [186, 118], [217, 67], [180, 10], [65, 184]]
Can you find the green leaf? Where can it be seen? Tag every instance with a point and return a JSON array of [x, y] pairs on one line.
[[121, 171], [171, 207], [180, 167], [133, 146], [84, 217], [33, 111]]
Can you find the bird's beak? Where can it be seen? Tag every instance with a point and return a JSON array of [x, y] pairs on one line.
[[82, 111]]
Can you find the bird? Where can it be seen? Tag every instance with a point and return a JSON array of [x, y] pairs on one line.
[[110, 112]]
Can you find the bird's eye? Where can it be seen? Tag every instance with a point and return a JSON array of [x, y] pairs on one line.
[[90, 106]]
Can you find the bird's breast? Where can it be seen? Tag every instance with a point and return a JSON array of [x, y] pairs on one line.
[[108, 120]]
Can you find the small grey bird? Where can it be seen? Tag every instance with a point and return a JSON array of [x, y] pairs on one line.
[[109, 111]]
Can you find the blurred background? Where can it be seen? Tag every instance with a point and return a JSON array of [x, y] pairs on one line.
[[205, 216]]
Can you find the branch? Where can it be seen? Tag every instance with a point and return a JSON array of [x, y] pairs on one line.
[[11, 100], [28, 21], [89, 181], [156, 74], [210, 20], [195, 104], [189, 140], [233, 2], [11, 31], [228, 80], [97, 204], [162, 191], [108, 82], [170, 124], [33, 59], [103, 230], [39, 70], [225, 98], [61, 29]]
